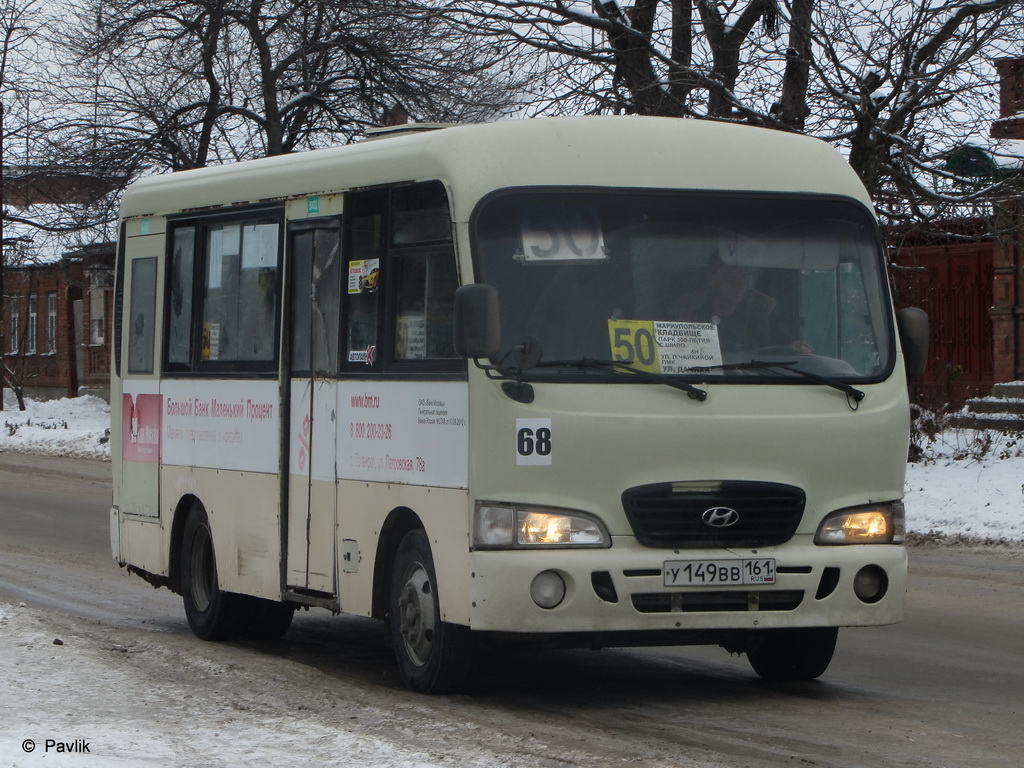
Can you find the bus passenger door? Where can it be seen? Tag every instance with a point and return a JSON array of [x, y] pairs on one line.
[[315, 262]]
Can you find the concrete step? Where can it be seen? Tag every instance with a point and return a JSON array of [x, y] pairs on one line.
[[1013, 390], [992, 405], [1009, 423], [1003, 411]]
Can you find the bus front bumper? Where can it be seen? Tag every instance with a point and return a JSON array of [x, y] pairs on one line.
[[623, 589]]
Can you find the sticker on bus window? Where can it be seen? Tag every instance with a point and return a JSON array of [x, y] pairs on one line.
[[363, 275], [211, 341], [411, 337], [362, 356], [559, 234], [664, 347]]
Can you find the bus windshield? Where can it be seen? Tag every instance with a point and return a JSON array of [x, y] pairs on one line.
[[687, 284]]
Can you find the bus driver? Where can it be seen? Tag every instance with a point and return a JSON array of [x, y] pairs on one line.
[[742, 315]]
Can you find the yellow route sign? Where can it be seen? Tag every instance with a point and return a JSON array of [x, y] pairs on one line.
[[664, 347]]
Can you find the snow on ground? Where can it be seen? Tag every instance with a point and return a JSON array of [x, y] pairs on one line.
[[72, 696], [78, 426]]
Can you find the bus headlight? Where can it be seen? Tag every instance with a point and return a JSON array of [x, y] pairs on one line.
[[873, 524], [513, 526]]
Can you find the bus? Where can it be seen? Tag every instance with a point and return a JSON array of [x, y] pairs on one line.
[[577, 382]]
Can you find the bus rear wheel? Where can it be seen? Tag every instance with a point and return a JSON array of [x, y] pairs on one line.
[[212, 613], [792, 654], [433, 656]]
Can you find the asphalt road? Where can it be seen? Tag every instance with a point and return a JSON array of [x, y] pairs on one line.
[[943, 688]]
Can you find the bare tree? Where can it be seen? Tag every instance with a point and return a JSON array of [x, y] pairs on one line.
[[900, 88], [18, 24], [896, 86], [186, 83]]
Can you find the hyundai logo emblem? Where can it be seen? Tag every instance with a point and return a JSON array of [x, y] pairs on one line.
[[720, 517]]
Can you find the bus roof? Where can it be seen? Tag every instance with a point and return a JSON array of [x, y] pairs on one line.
[[605, 151]]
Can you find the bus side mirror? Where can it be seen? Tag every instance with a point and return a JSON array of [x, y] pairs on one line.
[[913, 328], [477, 323]]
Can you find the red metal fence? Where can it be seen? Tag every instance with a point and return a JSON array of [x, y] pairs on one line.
[[953, 284]]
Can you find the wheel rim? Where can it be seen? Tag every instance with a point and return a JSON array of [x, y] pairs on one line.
[[416, 614], [204, 572]]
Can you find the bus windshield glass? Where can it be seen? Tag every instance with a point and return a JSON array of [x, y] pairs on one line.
[[687, 284]]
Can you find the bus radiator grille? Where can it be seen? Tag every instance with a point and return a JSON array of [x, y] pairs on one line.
[[713, 514]]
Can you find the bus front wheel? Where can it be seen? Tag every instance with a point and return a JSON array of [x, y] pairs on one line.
[[267, 619], [212, 614], [433, 656], [792, 654]]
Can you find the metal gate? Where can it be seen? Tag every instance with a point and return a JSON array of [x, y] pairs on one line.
[[953, 284]]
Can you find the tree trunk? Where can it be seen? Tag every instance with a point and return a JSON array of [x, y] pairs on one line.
[[791, 109]]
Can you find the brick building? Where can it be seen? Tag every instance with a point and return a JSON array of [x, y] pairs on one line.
[[56, 323], [55, 317], [1008, 259]]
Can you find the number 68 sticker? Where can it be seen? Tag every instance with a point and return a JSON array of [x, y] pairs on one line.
[[533, 442]]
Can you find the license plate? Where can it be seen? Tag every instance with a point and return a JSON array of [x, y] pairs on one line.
[[701, 573]]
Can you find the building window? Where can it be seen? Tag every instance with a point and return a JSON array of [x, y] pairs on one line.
[[14, 331], [33, 325], [97, 315], [51, 323]]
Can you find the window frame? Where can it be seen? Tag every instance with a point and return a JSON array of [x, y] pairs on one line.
[[147, 341], [32, 329], [886, 330], [51, 322], [202, 223], [388, 364], [14, 319]]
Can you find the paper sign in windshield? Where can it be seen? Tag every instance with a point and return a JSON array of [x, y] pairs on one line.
[[664, 347], [560, 234]]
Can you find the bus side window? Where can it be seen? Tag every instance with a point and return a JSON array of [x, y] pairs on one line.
[[363, 261], [424, 304], [142, 320], [179, 297], [239, 313], [398, 242], [427, 277]]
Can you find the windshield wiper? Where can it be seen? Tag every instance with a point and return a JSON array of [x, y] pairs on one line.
[[587, 363], [789, 365]]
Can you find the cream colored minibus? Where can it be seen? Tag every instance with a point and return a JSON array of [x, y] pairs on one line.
[[597, 382]]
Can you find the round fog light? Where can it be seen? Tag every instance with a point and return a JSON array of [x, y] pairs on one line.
[[547, 589], [870, 584]]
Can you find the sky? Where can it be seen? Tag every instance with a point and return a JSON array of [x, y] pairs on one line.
[[959, 493]]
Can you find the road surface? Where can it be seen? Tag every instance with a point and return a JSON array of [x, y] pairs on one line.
[[943, 688]]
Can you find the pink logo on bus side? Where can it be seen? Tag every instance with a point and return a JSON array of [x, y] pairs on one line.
[[140, 427]]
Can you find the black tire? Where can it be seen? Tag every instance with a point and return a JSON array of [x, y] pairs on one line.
[[792, 654], [212, 614], [433, 656], [267, 619]]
